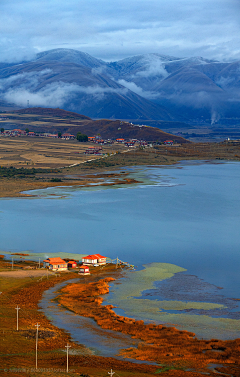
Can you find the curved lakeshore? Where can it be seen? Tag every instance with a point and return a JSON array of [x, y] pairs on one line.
[[177, 353], [160, 344]]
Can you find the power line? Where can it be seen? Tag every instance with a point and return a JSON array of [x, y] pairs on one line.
[[37, 326], [17, 309], [67, 346]]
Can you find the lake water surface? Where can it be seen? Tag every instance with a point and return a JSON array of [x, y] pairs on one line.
[[185, 215]]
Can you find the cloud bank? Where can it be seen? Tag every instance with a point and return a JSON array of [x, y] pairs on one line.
[[115, 30], [26, 88]]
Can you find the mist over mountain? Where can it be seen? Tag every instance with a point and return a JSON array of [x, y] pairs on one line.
[[150, 86]]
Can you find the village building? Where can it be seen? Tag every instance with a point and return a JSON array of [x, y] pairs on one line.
[[72, 264], [94, 259], [94, 150], [55, 264], [168, 142], [91, 138], [99, 141], [68, 136], [84, 270], [120, 140], [18, 132], [143, 143], [129, 143]]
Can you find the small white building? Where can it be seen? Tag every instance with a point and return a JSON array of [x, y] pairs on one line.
[[94, 259], [55, 264]]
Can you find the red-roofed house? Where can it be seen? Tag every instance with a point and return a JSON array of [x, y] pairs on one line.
[[31, 133], [67, 136], [72, 264], [94, 259], [168, 142], [84, 270], [55, 264]]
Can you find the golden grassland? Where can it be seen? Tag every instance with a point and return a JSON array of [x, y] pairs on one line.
[[46, 152]]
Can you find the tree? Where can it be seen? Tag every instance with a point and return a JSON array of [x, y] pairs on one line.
[[27, 130], [81, 137], [59, 134], [2, 130]]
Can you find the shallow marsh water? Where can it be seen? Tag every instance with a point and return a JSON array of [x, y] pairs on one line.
[[185, 215], [83, 330]]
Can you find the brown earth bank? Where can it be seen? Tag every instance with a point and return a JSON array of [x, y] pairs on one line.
[[164, 345], [13, 187]]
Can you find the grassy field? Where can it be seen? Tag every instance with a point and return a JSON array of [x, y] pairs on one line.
[[46, 152]]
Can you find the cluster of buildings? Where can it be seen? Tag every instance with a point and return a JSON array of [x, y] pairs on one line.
[[18, 132], [67, 136], [59, 264], [126, 142]]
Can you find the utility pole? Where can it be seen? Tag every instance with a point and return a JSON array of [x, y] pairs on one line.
[[17, 309], [111, 373], [67, 346], [12, 263], [39, 264], [37, 326], [117, 263]]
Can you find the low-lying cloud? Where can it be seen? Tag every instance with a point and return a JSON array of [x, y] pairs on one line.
[[27, 87], [154, 67], [24, 79], [138, 90]]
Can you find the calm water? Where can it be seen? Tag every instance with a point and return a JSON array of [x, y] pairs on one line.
[[186, 215]]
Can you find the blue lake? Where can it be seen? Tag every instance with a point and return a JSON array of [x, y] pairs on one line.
[[187, 215]]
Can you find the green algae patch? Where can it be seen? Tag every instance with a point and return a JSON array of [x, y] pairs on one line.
[[176, 305], [128, 296], [139, 281]]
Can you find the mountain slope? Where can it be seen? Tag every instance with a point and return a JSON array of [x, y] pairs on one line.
[[150, 86], [76, 88]]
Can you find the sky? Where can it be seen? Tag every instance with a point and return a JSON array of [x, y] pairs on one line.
[[112, 29]]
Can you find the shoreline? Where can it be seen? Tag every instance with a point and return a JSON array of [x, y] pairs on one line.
[[158, 343], [14, 188], [176, 352], [97, 170]]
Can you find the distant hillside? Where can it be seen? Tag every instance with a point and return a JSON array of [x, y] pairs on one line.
[[59, 120], [56, 113]]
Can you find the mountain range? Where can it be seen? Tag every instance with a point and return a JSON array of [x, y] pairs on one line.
[[144, 87]]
